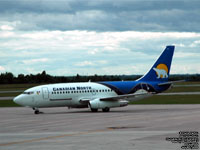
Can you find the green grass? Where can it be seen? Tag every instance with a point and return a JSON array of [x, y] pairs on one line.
[[10, 87], [187, 83], [184, 89], [170, 99], [14, 87], [9, 94], [8, 103]]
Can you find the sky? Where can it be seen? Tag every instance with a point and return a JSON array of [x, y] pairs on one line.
[[104, 37]]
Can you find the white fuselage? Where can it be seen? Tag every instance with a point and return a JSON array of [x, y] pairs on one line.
[[64, 94]]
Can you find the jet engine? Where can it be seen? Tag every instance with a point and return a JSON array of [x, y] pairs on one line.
[[98, 104]]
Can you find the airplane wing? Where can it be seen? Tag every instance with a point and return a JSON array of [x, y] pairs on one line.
[[119, 97], [124, 97]]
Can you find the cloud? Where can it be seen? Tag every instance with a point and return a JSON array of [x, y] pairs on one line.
[[104, 15], [186, 68], [186, 55], [67, 37], [2, 69], [85, 63], [91, 63], [6, 27], [34, 61], [84, 52]]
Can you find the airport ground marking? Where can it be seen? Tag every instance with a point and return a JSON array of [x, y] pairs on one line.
[[54, 137]]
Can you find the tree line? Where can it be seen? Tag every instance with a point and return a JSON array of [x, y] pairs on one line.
[[9, 78]]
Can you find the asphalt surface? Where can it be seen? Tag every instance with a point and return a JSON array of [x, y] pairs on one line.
[[132, 127], [12, 91], [7, 98], [180, 93]]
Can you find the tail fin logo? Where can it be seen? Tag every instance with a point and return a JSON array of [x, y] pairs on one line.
[[161, 71]]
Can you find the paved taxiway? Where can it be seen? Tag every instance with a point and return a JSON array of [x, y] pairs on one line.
[[132, 127], [7, 98]]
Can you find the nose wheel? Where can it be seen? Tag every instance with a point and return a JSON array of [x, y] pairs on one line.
[[36, 111]]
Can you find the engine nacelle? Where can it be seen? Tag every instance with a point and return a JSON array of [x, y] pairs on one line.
[[97, 104]]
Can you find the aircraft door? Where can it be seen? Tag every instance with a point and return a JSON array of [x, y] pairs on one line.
[[45, 93]]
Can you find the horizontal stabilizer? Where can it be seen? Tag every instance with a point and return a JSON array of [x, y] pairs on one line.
[[170, 82]]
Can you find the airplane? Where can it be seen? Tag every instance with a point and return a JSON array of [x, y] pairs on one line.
[[101, 95]]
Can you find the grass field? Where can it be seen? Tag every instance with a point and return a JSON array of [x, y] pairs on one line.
[[8, 103], [184, 89], [156, 99], [10, 87]]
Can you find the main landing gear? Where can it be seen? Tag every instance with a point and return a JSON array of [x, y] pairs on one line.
[[36, 111], [94, 109], [104, 109]]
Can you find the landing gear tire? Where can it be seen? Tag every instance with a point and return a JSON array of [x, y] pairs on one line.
[[106, 109], [94, 110], [36, 111]]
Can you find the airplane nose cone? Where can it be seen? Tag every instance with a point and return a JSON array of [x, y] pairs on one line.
[[23, 100], [18, 100]]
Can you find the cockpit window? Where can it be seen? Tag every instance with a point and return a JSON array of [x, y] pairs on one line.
[[29, 93]]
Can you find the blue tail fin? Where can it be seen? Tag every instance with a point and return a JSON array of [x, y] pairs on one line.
[[161, 68]]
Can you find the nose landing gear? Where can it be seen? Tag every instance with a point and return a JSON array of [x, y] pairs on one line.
[[36, 111]]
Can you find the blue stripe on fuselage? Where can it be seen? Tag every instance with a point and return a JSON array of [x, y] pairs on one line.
[[128, 87]]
